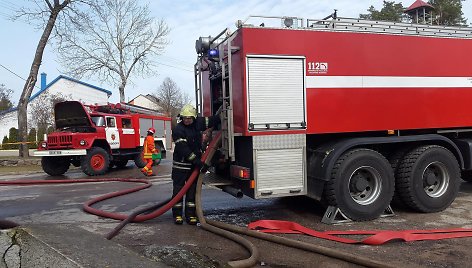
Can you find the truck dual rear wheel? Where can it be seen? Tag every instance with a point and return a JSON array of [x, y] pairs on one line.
[[96, 162], [120, 163], [428, 178], [361, 185], [55, 165], [139, 160]]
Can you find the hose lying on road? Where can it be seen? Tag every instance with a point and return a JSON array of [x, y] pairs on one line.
[[254, 253], [132, 216], [140, 218]]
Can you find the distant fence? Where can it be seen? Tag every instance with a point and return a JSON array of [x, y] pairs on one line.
[[6, 145]]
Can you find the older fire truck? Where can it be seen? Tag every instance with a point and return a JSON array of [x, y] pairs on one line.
[[98, 137], [347, 111]]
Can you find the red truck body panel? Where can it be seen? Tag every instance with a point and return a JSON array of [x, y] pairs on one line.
[[386, 81]]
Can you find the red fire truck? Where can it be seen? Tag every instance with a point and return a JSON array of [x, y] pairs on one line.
[[98, 137], [347, 111]]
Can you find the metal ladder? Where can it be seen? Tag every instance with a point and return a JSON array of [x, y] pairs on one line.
[[360, 25], [226, 51]]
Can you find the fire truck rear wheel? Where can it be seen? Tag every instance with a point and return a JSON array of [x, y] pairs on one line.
[[120, 163], [96, 162], [361, 185], [395, 160], [139, 159], [428, 178], [55, 165]]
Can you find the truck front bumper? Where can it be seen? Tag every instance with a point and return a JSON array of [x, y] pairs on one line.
[[60, 152]]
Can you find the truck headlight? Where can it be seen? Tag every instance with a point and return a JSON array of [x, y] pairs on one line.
[[83, 142]]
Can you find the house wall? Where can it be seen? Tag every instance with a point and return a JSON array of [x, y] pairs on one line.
[[69, 89], [145, 102], [78, 92]]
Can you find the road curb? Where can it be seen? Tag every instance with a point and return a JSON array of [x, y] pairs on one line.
[[65, 246]]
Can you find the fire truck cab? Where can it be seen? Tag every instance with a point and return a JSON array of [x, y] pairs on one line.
[[98, 137], [348, 111]]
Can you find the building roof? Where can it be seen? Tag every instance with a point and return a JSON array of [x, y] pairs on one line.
[[418, 4], [70, 79], [50, 84], [147, 96]]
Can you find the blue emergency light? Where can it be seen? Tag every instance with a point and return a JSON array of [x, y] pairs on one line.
[[213, 53]]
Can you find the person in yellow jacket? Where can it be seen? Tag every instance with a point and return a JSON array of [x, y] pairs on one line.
[[187, 153], [149, 150]]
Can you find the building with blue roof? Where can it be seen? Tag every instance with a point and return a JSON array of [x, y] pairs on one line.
[[67, 87]]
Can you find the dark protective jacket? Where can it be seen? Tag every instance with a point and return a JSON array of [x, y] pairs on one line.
[[188, 140]]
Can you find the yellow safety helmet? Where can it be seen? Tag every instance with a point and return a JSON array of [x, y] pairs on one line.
[[188, 110]]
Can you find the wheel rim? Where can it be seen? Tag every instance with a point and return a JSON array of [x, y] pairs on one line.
[[365, 185], [435, 179], [97, 162]]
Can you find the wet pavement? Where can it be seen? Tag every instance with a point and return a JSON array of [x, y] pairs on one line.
[[190, 246]]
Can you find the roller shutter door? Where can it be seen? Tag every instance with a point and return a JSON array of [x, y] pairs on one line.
[[276, 92]]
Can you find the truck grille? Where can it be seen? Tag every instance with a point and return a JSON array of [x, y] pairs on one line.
[[59, 141]]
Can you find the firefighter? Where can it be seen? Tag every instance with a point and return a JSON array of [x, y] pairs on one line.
[[187, 136], [149, 150]]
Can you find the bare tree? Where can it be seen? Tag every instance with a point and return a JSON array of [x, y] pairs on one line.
[[47, 12], [43, 109], [112, 40], [171, 97], [5, 98]]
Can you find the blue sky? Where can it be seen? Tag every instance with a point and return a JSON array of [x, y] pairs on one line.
[[188, 21]]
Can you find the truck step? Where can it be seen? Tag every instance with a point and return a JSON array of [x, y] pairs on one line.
[[211, 179]]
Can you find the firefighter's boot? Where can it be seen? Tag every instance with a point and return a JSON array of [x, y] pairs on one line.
[[178, 220], [146, 171], [190, 213], [177, 213]]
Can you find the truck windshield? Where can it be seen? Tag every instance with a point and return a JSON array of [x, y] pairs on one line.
[[99, 121]]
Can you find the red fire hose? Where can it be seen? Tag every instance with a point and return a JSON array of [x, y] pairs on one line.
[[158, 212]]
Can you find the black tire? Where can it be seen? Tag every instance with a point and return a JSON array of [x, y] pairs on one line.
[[120, 163], [395, 160], [467, 175], [361, 185], [55, 165], [96, 162], [139, 160], [428, 178]]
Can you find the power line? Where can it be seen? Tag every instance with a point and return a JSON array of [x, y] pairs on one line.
[[177, 67], [7, 7], [179, 61], [15, 74], [13, 5]]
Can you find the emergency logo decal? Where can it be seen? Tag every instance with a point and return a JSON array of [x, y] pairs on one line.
[[113, 136], [317, 67]]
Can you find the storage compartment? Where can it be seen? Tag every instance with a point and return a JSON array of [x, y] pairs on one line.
[[276, 93], [280, 169]]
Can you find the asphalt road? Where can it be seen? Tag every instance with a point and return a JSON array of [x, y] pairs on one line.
[[191, 246], [4, 153]]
